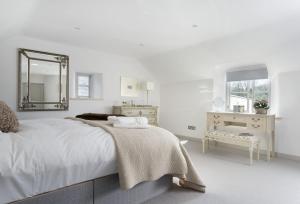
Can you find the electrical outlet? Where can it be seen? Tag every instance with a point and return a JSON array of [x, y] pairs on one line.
[[191, 127]]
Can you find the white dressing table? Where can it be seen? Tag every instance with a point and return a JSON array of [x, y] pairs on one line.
[[260, 125]]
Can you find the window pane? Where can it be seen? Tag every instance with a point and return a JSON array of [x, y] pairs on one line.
[[261, 88], [83, 80], [238, 86], [83, 91], [261, 85], [261, 96], [244, 93], [238, 99]]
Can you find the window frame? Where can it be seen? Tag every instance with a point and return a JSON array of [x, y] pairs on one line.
[[250, 91], [77, 84]]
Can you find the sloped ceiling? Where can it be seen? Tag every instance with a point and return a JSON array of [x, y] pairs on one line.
[[276, 45], [14, 16], [176, 39], [139, 28]]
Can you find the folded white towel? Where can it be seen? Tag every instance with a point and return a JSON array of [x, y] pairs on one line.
[[112, 118], [133, 126], [129, 122]]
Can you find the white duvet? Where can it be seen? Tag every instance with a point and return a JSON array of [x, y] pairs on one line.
[[48, 154]]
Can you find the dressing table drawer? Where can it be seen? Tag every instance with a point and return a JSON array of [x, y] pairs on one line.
[[256, 119], [214, 117], [257, 123], [216, 120], [131, 112], [148, 112], [234, 118]]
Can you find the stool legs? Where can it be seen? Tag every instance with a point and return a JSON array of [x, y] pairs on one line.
[[252, 145], [258, 150], [251, 153], [203, 145]]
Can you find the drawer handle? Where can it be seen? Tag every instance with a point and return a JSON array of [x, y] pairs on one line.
[[255, 119], [255, 126]]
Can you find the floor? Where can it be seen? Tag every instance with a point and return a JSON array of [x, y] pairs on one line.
[[230, 179]]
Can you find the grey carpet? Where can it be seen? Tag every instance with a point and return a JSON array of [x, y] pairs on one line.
[[230, 180]]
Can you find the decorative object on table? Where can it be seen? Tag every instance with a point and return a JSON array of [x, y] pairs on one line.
[[149, 86], [238, 109], [261, 107], [129, 87]]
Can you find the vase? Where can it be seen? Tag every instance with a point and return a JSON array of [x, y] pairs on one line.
[[261, 111]]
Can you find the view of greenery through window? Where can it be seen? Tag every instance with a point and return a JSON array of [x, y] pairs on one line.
[[245, 93]]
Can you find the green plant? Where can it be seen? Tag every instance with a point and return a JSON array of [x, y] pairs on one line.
[[261, 104]]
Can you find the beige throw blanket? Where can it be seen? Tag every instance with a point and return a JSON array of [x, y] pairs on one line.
[[148, 154]]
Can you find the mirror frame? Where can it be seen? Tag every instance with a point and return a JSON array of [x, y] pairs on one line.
[[60, 106]]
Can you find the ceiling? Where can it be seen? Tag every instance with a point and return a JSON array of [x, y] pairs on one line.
[[139, 28]]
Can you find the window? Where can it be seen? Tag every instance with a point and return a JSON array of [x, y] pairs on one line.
[[83, 85], [88, 86], [245, 93], [247, 85]]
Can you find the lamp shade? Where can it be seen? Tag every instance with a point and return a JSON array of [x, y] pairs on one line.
[[149, 86]]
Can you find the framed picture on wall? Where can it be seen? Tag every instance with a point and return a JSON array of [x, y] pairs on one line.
[[129, 87]]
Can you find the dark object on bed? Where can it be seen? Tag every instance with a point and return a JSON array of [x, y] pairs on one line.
[[105, 190], [96, 116]]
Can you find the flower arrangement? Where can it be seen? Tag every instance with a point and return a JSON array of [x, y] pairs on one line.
[[261, 106]]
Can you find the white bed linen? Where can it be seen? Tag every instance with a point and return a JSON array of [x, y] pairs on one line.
[[47, 154]]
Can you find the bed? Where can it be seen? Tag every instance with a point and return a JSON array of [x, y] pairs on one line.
[[65, 161]]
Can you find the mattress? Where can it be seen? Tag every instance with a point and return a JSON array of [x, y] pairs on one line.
[[47, 154]]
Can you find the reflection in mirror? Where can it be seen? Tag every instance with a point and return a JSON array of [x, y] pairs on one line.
[[43, 81]]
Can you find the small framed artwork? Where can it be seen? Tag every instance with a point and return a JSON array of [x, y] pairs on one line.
[[129, 87]]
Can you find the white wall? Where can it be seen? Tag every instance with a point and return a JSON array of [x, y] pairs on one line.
[[184, 104], [288, 139], [81, 60], [277, 46]]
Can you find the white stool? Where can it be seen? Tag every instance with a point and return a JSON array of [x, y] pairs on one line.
[[234, 139]]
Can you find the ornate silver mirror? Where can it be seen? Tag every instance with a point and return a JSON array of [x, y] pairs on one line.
[[43, 81]]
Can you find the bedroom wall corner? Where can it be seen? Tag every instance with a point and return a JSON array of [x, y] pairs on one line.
[[185, 104], [287, 125]]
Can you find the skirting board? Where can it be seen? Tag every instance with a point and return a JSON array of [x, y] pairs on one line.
[[288, 156], [277, 154]]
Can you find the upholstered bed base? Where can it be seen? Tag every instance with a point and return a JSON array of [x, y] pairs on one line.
[[102, 190]]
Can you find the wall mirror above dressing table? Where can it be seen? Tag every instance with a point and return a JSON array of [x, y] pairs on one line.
[[43, 81]]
